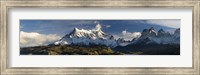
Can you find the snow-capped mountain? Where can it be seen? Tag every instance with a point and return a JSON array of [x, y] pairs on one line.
[[161, 37], [88, 37], [98, 37]]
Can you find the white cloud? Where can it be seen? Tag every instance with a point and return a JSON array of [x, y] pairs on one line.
[[166, 23], [128, 35], [108, 26], [96, 22], [36, 39]]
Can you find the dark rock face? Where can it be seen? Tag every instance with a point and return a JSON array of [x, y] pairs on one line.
[[177, 32], [148, 33], [161, 37], [162, 33]]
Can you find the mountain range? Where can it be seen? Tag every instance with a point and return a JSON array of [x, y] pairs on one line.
[[98, 37], [96, 42]]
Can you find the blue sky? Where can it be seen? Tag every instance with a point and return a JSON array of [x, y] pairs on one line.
[[62, 27]]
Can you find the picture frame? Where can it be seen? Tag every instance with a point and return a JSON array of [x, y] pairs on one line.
[[11, 4]]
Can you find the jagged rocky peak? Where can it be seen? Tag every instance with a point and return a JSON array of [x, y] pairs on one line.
[[148, 33], [145, 32], [111, 37], [94, 36], [98, 32], [152, 32], [87, 33], [81, 33], [151, 29], [74, 31], [162, 33], [177, 31]]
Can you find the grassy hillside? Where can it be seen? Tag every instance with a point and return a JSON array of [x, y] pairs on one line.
[[68, 50], [135, 49]]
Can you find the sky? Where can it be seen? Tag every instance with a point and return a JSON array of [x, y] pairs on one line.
[[41, 32]]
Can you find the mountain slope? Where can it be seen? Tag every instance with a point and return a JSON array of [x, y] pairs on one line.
[[88, 37], [161, 37]]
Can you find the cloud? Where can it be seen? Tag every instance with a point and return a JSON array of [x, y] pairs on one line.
[[108, 26], [128, 35], [36, 39], [96, 22], [166, 23]]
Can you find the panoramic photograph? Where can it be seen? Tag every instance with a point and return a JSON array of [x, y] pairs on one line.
[[100, 37]]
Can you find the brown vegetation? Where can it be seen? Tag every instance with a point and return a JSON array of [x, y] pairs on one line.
[[68, 50]]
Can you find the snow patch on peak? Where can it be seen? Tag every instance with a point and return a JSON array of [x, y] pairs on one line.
[[98, 27]]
